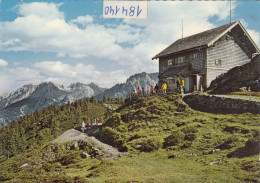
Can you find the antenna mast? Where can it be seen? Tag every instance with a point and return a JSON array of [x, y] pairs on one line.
[[182, 29], [230, 13]]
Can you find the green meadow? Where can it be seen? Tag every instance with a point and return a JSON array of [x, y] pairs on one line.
[[167, 142]]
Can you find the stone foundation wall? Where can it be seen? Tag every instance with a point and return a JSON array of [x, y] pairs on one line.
[[221, 105]]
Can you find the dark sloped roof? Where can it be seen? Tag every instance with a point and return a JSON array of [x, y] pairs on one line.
[[194, 41]]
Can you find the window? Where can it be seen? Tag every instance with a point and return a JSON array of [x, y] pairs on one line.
[[176, 61], [171, 81], [218, 63], [170, 62], [194, 56], [181, 60], [228, 37]]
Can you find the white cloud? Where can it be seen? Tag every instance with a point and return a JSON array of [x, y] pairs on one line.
[[253, 34], [41, 9], [38, 33], [57, 72], [3, 63], [42, 27], [57, 69], [5, 84], [83, 20]]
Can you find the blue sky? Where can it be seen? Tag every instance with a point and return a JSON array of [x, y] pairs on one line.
[[68, 41]]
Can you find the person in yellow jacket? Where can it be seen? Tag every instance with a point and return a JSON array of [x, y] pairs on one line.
[[182, 82], [164, 88]]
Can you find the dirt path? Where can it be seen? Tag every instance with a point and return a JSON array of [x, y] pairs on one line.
[[249, 98], [105, 150], [240, 97]]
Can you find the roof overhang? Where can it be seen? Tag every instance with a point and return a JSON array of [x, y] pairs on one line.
[[182, 51]]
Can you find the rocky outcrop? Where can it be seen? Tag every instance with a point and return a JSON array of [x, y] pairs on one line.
[[221, 105], [97, 147], [236, 78]]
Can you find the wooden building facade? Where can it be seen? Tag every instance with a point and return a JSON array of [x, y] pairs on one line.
[[202, 57]]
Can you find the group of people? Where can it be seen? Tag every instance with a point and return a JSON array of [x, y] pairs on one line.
[[89, 123], [142, 92], [157, 89], [180, 84], [151, 91]]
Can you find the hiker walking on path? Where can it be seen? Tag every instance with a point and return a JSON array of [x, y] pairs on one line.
[[91, 122], [97, 119], [83, 126], [178, 85], [138, 91], [143, 92], [87, 122], [156, 88], [182, 85], [133, 93], [151, 90], [164, 87]]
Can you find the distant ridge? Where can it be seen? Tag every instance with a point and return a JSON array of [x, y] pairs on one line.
[[31, 97]]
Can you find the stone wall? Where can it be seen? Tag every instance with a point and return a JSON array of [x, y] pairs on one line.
[[221, 105], [224, 55]]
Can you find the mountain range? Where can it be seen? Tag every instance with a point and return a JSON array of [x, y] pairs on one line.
[[140, 80], [31, 97]]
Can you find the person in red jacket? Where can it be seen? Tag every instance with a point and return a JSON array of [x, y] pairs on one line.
[[151, 90], [138, 91], [87, 122]]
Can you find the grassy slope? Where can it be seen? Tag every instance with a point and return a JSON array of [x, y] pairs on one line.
[[169, 143]]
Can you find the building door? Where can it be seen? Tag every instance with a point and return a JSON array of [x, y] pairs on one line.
[[187, 84], [171, 84]]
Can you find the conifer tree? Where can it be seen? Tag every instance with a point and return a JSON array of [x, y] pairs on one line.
[[104, 99]]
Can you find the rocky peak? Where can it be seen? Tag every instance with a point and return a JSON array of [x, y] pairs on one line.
[[17, 95], [76, 85], [141, 80]]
